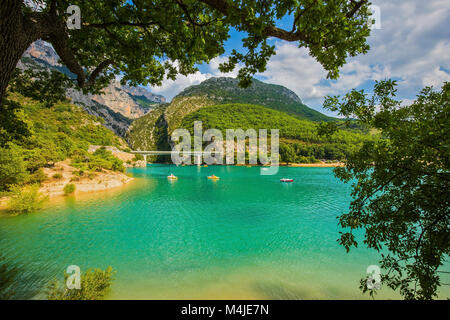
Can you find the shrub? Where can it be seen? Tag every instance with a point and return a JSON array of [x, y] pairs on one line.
[[79, 173], [25, 200], [37, 177], [91, 175], [57, 176], [95, 284], [69, 188], [100, 159]]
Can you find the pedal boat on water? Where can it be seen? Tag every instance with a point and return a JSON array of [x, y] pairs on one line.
[[286, 180]]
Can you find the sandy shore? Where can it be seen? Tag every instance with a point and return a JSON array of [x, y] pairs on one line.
[[318, 165], [312, 165], [63, 173]]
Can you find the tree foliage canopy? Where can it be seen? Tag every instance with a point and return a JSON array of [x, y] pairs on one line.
[[41, 85], [401, 185], [147, 40]]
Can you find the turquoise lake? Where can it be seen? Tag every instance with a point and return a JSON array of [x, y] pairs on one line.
[[245, 236]]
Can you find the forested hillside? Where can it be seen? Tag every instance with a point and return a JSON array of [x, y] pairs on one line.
[[45, 134], [299, 139], [220, 103]]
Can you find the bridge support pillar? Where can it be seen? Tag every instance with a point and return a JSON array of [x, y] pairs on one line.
[[199, 160], [145, 158]]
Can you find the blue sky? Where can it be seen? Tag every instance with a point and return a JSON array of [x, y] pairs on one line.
[[412, 47]]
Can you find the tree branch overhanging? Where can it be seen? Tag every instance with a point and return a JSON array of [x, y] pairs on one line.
[[273, 31]]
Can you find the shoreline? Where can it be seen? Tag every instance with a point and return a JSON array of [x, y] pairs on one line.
[[315, 165], [281, 164], [112, 180], [86, 182], [63, 174]]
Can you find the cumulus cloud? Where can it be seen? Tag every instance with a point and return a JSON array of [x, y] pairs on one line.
[[412, 46], [171, 88], [294, 68]]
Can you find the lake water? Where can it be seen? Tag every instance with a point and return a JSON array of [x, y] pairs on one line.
[[245, 236]]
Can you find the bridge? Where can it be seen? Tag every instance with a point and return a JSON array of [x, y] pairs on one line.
[[197, 154]]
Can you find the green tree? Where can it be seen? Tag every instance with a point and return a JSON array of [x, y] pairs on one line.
[[141, 40], [287, 153], [26, 199], [401, 185], [12, 167], [48, 87], [13, 126]]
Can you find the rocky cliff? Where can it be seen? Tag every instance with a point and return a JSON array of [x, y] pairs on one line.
[[117, 105]]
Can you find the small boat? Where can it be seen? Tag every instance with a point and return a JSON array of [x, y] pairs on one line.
[[213, 177], [172, 177], [205, 166], [286, 180]]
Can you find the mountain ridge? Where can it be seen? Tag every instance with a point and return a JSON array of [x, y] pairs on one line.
[[270, 107], [118, 104], [222, 90]]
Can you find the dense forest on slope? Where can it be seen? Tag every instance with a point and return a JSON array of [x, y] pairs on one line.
[[51, 134], [299, 139], [226, 90], [152, 130], [117, 105]]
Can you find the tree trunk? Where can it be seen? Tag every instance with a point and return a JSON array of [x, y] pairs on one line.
[[17, 33]]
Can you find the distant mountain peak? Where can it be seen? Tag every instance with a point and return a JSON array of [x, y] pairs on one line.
[[117, 105], [223, 90], [228, 83], [131, 102]]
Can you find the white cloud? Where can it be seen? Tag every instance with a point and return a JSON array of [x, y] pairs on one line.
[[413, 46], [436, 78], [295, 69], [171, 88]]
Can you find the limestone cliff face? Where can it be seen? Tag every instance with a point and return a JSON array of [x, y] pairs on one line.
[[120, 101], [117, 104]]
